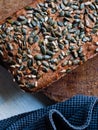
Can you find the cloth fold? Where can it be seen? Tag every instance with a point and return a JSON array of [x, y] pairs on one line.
[[78, 113]]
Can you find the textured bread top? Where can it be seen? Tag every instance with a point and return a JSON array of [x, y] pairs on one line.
[[47, 39]]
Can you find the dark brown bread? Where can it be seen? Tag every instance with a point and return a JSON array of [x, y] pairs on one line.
[[83, 80], [8, 7], [38, 50]]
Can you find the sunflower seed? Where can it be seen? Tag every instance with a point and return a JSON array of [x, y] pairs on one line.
[[1, 53], [64, 63], [63, 71], [62, 6], [61, 46], [45, 63], [51, 38], [82, 6], [96, 49], [33, 71], [53, 68], [21, 18], [52, 61], [33, 23], [75, 54], [76, 62], [75, 7], [61, 57], [45, 69], [92, 17], [69, 62], [97, 43], [9, 47], [92, 7], [85, 39], [30, 76]]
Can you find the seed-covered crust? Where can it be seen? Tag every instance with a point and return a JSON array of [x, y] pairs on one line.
[[47, 39]]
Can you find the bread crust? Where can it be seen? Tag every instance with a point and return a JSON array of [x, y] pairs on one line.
[[10, 51]]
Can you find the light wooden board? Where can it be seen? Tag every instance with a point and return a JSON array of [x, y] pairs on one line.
[[14, 101]]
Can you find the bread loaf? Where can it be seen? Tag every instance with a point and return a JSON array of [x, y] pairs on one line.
[[83, 80], [44, 41]]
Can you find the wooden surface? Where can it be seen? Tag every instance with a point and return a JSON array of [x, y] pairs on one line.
[[15, 101], [83, 80]]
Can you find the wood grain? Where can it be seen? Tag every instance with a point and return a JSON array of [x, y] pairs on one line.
[[83, 80]]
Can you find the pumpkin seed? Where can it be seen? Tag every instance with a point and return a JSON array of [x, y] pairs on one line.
[[50, 53], [51, 38], [60, 23], [75, 7], [30, 63], [68, 70], [65, 2], [30, 40], [24, 31], [29, 8], [61, 14], [31, 85], [35, 39], [46, 57], [17, 23], [38, 57], [43, 49]]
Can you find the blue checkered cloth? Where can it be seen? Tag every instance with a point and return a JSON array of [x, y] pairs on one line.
[[77, 113]]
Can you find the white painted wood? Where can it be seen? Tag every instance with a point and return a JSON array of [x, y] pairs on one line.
[[14, 101]]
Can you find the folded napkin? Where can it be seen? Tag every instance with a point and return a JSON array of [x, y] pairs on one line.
[[77, 113]]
